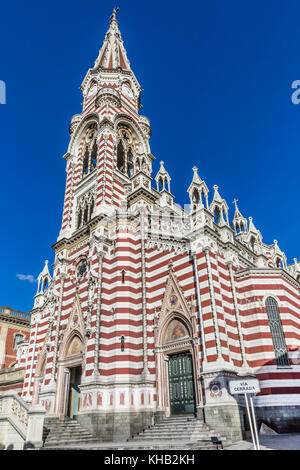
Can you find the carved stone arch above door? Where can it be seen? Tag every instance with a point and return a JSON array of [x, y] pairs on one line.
[[177, 342], [75, 328], [174, 305]]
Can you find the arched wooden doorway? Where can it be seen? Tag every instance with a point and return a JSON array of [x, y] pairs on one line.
[[69, 373], [177, 367]]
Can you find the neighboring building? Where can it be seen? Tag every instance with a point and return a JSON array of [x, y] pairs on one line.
[[152, 309], [14, 331]]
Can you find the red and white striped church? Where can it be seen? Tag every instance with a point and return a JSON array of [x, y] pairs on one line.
[[153, 308]]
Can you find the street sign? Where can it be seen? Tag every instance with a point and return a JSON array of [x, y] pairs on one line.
[[248, 387], [244, 386]]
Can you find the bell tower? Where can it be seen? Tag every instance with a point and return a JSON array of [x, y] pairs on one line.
[[108, 157]]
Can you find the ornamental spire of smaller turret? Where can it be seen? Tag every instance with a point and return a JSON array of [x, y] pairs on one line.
[[163, 179], [219, 208], [197, 191], [239, 222], [112, 54]]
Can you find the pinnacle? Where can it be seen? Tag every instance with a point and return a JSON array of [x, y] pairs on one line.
[[112, 54]]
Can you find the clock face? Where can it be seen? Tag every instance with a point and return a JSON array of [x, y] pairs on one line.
[[127, 91]]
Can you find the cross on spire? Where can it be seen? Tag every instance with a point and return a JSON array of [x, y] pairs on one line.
[[114, 14]]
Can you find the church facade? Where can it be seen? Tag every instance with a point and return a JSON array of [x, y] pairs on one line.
[[152, 308]]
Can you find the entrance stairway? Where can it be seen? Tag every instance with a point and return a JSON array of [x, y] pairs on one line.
[[186, 432], [58, 434], [182, 433]]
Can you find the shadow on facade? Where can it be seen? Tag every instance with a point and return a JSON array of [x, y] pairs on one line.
[[282, 415]]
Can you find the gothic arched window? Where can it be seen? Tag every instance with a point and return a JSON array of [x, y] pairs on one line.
[[90, 153], [85, 210], [79, 218], [85, 166], [121, 157], [252, 243], [160, 184], [130, 163], [277, 334], [94, 156], [125, 152], [217, 215]]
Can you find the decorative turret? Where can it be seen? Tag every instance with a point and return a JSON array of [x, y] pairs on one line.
[[278, 257], [239, 223], [44, 279], [294, 269], [197, 192], [219, 208], [253, 238], [163, 179]]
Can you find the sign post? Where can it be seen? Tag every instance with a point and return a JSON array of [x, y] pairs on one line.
[[248, 387]]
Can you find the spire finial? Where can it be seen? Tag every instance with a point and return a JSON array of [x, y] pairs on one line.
[[235, 201], [114, 14]]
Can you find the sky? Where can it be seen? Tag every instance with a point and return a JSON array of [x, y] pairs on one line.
[[217, 79]]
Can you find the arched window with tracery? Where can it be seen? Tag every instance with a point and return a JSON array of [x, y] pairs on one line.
[[125, 151], [90, 152], [85, 208], [277, 334]]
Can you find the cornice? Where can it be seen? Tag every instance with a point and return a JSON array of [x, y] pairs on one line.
[[142, 193], [16, 321], [81, 235], [267, 271], [85, 181]]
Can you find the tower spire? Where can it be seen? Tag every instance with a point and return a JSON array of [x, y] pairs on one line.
[[112, 54], [239, 222]]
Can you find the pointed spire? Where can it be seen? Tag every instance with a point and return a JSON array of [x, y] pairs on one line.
[[252, 228], [279, 258], [45, 271], [196, 177], [217, 197], [163, 178], [44, 278], [196, 190], [218, 208], [239, 222], [112, 54]]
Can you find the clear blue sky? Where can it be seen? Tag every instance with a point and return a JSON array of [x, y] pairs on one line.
[[217, 87]]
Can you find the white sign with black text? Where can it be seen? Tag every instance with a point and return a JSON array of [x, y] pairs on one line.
[[244, 386]]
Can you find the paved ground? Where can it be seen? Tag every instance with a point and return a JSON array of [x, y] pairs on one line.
[[273, 442]]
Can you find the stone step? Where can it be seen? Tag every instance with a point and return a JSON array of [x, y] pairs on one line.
[[68, 436], [178, 446], [178, 428], [62, 442], [64, 433], [69, 432], [177, 431]]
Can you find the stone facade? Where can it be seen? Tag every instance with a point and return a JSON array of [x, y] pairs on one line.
[[138, 280]]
